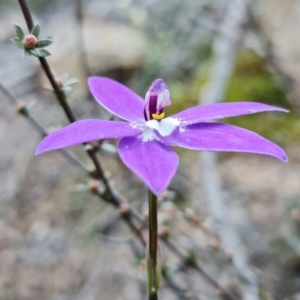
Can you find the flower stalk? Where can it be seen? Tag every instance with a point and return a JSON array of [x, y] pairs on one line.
[[153, 265]]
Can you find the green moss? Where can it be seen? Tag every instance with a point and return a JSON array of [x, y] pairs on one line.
[[251, 82]]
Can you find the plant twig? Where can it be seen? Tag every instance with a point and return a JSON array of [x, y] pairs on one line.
[[153, 268], [43, 132]]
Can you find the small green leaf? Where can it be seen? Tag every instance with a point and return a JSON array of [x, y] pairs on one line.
[[44, 43], [36, 30], [109, 148], [71, 81], [23, 111], [40, 52], [44, 53], [71, 94], [67, 89], [35, 52], [64, 78], [18, 43], [31, 104], [19, 32], [26, 54], [191, 259]]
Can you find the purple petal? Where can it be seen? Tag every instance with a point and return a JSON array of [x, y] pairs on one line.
[[207, 112], [154, 162], [85, 131], [117, 98], [223, 137]]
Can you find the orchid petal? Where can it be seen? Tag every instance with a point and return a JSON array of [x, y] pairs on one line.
[[207, 112], [85, 131], [222, 137], [154, 162], [117, 98]]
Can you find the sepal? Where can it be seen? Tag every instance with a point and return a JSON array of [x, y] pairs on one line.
[[17, 42], [30, 44], [38, 52], [44, 43], [19, 31], [36, 30]]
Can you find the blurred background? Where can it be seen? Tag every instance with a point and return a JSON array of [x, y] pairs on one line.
[[237, 215]]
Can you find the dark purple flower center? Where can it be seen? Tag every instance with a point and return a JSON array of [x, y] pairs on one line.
[[153, 109], [157, 98]]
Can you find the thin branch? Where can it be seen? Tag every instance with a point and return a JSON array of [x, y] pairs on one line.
[[43, 132]]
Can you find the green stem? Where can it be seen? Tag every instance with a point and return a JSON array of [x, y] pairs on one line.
[[152, 290], [153, 296]]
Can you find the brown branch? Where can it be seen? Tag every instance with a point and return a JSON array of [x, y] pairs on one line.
[[43, 132]]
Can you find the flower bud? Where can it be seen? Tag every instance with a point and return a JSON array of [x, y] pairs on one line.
[[30, 42], [93, 172], [59, 82], [94, 186], [165, 194], [95, 144], [88, 147], [163, 231], [124, 209]]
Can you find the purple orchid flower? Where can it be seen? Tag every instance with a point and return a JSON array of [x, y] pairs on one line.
[[147, 136]]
